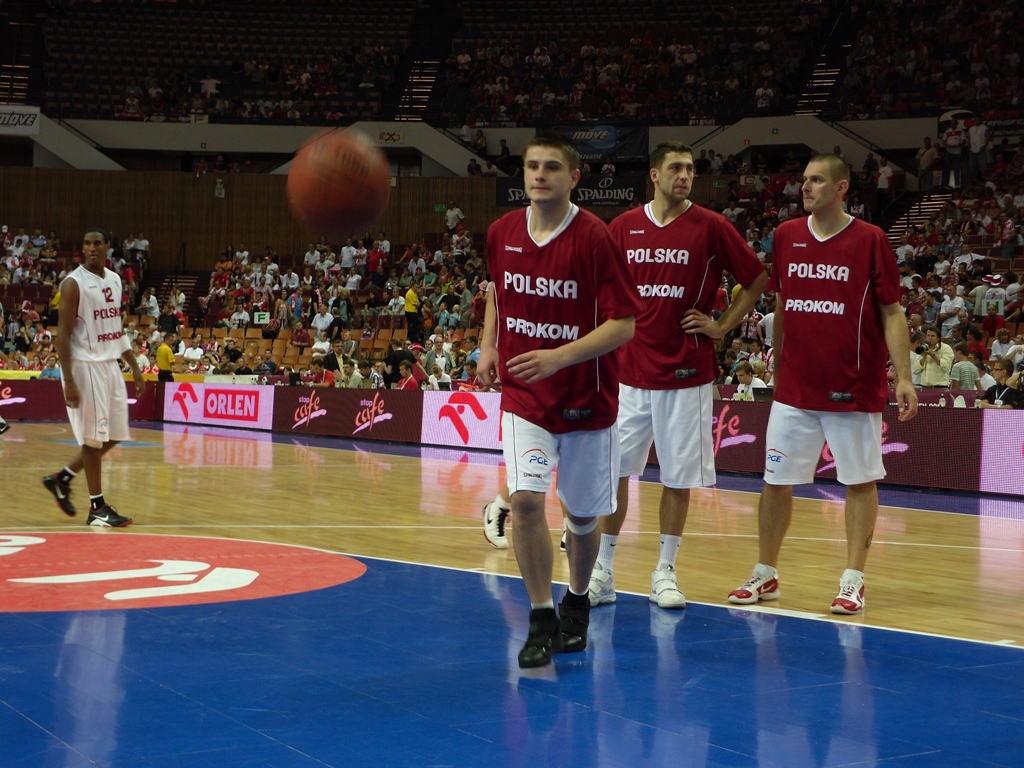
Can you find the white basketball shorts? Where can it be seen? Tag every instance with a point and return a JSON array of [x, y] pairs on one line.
[[678, 423], [102, 412], [587, 461], [795, 438]]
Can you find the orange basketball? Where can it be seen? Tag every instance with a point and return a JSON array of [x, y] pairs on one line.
[[339, 183]]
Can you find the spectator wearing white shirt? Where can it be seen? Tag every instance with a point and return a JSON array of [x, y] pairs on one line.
[[748, 382], [321, 320]]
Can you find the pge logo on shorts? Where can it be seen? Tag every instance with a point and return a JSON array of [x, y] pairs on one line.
[[536, 457], [776, 456]]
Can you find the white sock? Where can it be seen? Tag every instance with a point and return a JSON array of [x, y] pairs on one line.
[[669, 549], [606, 554], [502, 504], [68, 470], [850, 575], [766, 570], [548, 604]]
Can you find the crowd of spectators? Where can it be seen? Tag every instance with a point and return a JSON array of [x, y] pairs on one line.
[[651, 77], [31, 272], [915, 58], [332, 297], [264, 88]]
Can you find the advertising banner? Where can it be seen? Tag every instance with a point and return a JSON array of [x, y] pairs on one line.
[[1002, 452], [44, 400], [371, 414], [908, 448], [16, 120], [462, 419], [618, 191], [246, 406], [598, 141]]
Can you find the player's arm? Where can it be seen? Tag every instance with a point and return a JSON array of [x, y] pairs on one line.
[[695, 321], [129, 357], [487, 365], [898, 341], [538, 364], [66, 316]]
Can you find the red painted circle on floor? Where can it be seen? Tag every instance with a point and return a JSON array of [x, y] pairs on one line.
[[103, 570]]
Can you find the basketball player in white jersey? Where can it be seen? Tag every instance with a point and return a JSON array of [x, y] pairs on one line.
[[677, 252], [90, 341], [836, 278], [562, 301]]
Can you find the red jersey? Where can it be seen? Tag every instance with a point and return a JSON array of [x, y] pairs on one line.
[[834, 350], [550, 294], [676, 267]]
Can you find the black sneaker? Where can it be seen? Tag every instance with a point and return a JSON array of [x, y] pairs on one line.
[[4, 426], [574, 611], [545, 638], [61, 492], [107, 517]]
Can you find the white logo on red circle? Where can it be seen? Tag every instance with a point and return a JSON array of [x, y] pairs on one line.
[[97, 571]]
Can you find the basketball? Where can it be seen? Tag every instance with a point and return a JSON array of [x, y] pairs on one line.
[[339, 183]]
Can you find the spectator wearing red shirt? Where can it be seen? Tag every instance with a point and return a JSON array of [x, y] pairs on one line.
[[993, 321], [321, 376], [407, 380]]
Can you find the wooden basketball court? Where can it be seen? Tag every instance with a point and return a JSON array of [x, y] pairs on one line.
[[944, 573]]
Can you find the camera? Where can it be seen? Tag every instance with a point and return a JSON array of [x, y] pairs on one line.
[[922, 349]]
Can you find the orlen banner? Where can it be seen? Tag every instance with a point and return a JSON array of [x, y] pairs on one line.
[[237, 405], [462, 419], [371, 414]]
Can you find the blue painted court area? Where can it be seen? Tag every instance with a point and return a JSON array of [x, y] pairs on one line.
[[415, 666]]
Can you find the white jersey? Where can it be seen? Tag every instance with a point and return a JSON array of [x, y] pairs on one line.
[[98, 333]]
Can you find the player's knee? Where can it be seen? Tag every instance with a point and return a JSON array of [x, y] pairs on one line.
[[581, 529]]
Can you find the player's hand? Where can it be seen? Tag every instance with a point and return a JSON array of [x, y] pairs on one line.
[[71, 397], [487, 367], [695, 321], [906, 398], [140, 383], [535, 365]]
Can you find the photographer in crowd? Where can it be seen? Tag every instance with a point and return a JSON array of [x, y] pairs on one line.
[[934, 359]]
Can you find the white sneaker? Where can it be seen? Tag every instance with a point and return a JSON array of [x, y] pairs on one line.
[[665, 588], [602, 586], [494, 525]]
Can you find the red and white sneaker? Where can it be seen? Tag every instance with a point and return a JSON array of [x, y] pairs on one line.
[[759, 586], [850, 600]]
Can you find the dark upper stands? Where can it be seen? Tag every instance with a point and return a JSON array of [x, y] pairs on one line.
[[93, 54], [748, 38]]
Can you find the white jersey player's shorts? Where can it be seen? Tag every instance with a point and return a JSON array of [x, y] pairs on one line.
[[678, 423], [102, 412], [587, 461], [795, 438]]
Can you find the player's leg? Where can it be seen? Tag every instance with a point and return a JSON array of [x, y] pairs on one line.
[[856, 442], [111, 427], [636, 436], [794, 440], [588, 474], [527, 485], [682, 425], [59, 483]]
